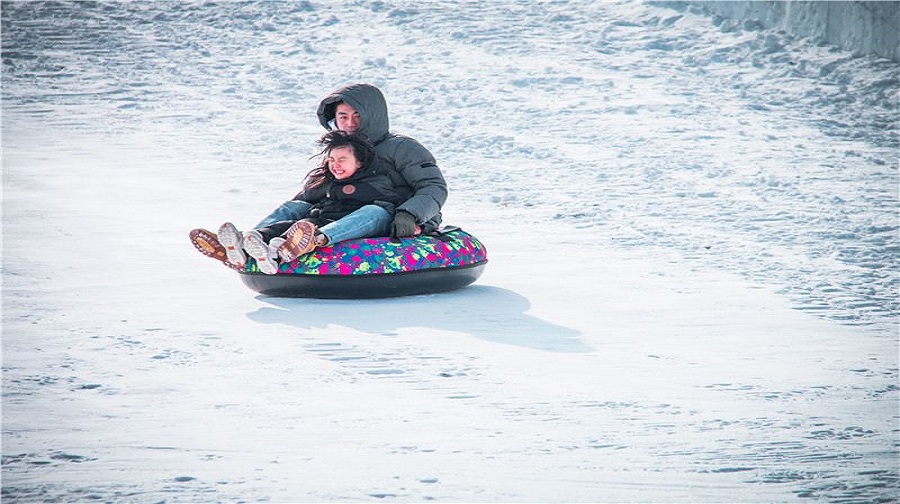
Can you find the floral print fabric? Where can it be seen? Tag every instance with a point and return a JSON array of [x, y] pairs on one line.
[[381, 255]]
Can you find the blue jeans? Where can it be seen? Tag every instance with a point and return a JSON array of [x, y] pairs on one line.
[[370, 220], [288, 211]]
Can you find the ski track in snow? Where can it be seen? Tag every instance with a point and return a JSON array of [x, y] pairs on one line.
[[642, 129]]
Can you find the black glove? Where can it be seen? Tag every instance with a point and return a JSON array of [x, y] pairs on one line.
[[404, 224]]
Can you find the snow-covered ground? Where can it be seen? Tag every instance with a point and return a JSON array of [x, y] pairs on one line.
[[692, 227]]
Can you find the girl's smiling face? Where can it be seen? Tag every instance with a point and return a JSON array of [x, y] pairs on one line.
[[342, 163]]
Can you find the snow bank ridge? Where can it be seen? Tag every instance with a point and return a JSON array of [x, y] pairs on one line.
[[866, 27]]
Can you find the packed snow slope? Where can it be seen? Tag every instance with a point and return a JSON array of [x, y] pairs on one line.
[[861, 26], [692, 230]]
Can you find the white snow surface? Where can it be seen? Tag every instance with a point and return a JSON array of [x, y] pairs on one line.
[[692, 230]]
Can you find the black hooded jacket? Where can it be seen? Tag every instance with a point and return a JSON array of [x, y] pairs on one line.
[[410, 166], [333, 198]]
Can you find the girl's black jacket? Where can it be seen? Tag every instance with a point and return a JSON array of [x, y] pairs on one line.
[[333, 199]]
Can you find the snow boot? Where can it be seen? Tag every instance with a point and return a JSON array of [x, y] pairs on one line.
[[231, 239], [259, 250], [208, 244], [299, 240]]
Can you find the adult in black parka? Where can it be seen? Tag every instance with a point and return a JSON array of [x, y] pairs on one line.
[[411, 166]]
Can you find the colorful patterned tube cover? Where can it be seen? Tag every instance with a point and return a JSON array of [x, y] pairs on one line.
[[374, 256]]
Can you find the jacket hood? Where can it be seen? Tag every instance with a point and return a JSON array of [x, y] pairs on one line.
[[365, 99]]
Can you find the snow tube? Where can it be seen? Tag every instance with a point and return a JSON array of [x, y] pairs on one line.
[[377, 268]]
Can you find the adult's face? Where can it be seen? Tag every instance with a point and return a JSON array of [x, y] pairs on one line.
[[346, 118]]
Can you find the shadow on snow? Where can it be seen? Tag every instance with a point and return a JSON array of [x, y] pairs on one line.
[[489, 313]]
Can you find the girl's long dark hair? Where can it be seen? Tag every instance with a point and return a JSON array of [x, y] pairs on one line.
[[361, 147]]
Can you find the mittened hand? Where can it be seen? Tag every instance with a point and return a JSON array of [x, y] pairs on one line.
[[404, 225]]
